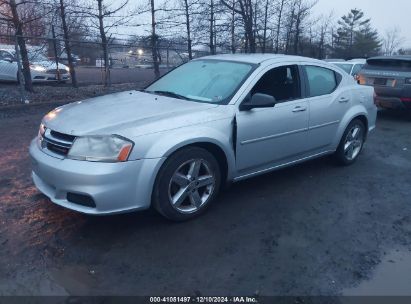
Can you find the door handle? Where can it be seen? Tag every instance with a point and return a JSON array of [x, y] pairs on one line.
[[343, 99], [299, 109]]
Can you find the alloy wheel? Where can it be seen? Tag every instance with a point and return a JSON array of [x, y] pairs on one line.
[[191, 186], [353, 142]]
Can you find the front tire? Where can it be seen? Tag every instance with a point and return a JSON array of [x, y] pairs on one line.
[[187, 183], [351, 143]]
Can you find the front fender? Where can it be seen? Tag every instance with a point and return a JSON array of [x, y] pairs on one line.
[[162, 145]]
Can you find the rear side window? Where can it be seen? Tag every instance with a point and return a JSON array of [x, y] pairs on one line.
[[357, 68], [321, 81]]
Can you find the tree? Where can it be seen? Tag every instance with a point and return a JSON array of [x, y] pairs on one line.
[[187, 13], [392, 41], [246, 10], [280, 10], [10, 13], [105, 18], [154, 39], [67, 45], [355, 37]]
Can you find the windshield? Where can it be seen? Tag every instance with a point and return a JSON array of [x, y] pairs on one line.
[[36, 56], [33, 56], [212, 81], [345, 66]]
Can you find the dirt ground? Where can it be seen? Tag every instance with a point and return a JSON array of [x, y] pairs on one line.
[[313, 229]]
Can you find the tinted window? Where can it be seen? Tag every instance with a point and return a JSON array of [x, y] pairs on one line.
[[282, 83], [389, 64], [321, 81]]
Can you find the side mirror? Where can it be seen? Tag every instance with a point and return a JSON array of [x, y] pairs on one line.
[[258, 100]]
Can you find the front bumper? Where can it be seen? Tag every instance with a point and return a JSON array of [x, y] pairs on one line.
[[48, 77], [114, 187]]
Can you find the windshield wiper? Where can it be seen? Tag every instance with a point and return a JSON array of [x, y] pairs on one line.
[[170, 94]]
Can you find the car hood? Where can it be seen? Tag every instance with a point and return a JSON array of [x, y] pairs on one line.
[[129, 113], [50, 65]]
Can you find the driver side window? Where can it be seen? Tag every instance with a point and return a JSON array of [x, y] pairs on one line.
[[283, 83]]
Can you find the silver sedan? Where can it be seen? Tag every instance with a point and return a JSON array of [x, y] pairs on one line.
[[209, 122]]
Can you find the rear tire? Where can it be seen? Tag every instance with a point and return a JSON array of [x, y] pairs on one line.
[[186, 184], [351, 143]]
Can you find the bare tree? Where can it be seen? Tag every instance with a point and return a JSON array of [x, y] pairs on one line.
[[66, 35], [302, 11], [246, 11], [106, 17], [279, 20], [392, 41], [154, 38], [10, 13], [267, 2], [188, 27]]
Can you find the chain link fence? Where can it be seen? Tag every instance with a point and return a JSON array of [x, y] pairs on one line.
[[128, 63]]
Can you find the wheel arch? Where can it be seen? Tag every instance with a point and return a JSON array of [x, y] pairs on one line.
[[357, 112]]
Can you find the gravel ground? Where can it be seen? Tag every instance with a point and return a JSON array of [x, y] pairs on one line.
[[312, 229]]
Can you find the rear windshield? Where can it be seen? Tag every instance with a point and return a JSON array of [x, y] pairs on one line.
[[388, 64]]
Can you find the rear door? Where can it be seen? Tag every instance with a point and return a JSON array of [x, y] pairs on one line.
[[328, 104]]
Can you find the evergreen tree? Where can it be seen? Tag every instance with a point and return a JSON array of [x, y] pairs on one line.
[[355, 37]]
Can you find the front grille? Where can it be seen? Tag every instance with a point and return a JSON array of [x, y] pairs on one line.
[[54, 71], [57, 142]]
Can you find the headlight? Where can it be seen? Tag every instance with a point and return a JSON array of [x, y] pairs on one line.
[[67, 69], [101, 148], [37, 68], [42, 130], [408, 81]]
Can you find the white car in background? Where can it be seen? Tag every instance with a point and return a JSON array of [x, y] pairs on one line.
[[352, 67], [42, 69]]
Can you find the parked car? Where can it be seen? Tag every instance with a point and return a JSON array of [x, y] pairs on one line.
[[391, 79], [41, 68], [63, 58], [352, 67], [211, 121]]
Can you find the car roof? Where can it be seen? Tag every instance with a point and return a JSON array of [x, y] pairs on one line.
[[259, 58], [395, 57], [357, 60], [342, 62]]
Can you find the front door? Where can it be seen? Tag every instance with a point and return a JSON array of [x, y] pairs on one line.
[[272, 136]]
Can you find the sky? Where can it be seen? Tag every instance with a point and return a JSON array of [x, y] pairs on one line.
[[384, 14]]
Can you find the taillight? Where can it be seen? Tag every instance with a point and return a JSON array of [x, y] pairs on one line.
[[405, 99], [375, 98]]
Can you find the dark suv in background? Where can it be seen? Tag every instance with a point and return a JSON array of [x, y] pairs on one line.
[[391, 78]]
